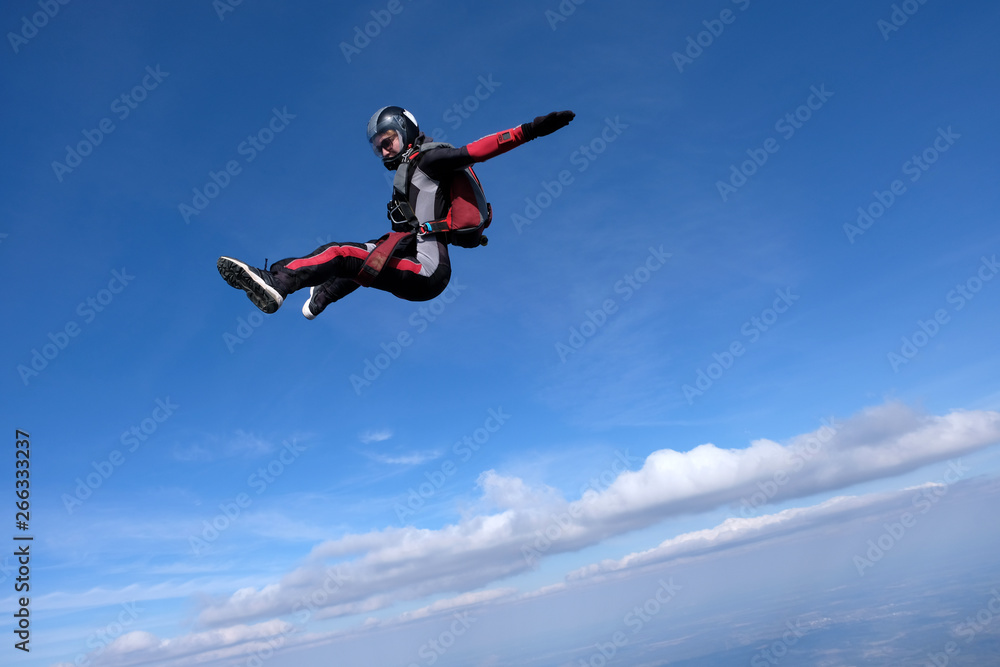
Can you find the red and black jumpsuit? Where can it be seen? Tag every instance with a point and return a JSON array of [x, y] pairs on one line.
[[419, 269]]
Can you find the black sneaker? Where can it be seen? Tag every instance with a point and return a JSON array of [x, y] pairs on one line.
[[260, 286]]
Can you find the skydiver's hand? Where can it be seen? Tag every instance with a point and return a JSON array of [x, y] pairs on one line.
[[543, 125]]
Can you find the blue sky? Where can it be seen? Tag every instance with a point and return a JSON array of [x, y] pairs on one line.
[[685, 352]]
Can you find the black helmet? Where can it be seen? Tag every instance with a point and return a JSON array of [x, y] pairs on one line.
[[400, 120]]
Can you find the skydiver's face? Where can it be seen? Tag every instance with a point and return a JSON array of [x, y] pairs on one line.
[[387, 144]]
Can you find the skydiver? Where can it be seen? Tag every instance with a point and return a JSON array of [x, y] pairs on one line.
[[412, 263]]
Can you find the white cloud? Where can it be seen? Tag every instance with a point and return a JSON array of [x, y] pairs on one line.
[[771, 531], [413, 459], [880, 442], [407, 563], [459, 602], [379, 435], [213, 448], [738, 531], [513, 493], [144, 648], [192, 453], [359, 574], [248, 445]]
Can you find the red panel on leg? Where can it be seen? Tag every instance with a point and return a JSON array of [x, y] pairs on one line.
[[327, 255], [404, 265]]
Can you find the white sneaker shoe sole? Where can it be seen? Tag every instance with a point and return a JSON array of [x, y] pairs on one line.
[[239, 275], [305, 307]]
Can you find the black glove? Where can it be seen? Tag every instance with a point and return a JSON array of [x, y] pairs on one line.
[[543, 125]]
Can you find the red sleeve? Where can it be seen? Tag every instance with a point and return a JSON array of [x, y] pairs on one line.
[[494, 144]]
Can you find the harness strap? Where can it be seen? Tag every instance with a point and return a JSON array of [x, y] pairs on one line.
[[400, 197], [432, 227], [400, 204], [468, 212], [379, 256]]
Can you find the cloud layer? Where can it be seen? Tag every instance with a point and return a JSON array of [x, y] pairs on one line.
[[409, 563], [360, 574]]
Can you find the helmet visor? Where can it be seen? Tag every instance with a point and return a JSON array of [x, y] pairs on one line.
[[387, 144]]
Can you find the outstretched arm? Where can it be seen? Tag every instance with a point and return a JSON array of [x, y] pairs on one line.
[[501, 142], [495, 144]]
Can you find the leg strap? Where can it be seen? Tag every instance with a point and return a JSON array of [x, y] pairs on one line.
[[379, 256]]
